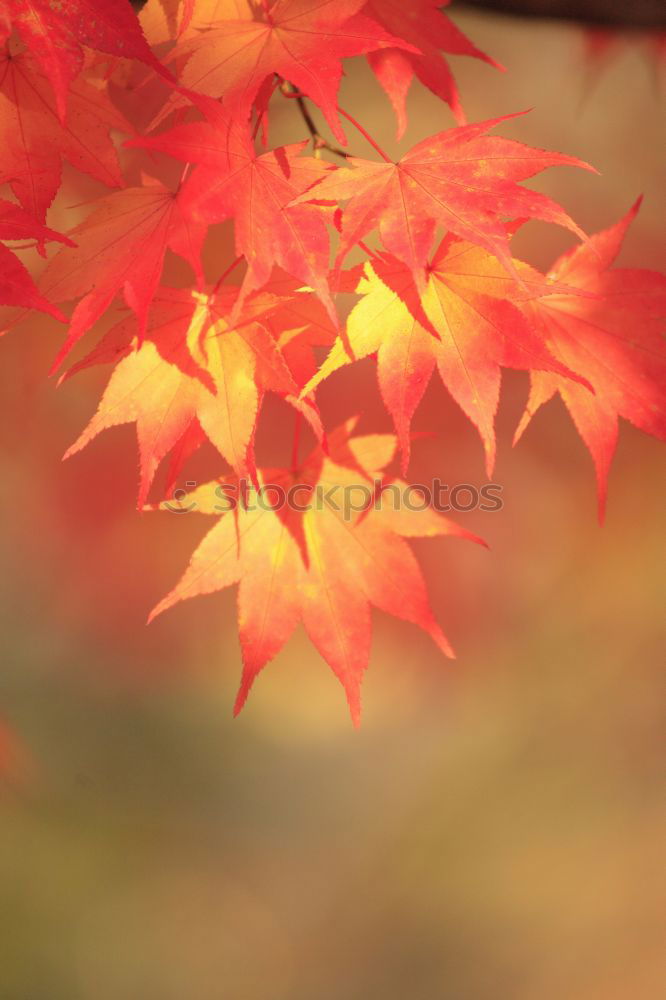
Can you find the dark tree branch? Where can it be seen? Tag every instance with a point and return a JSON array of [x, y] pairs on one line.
[[644, 15], [621, 14]]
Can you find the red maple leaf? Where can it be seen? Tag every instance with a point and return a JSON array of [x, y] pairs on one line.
[[120, 246], [461, 179], [54, 32], [35, 141], [193, 365], [16, 286], [189, 367], [257, 191], [297, 319], [422, 23], [615, 340]]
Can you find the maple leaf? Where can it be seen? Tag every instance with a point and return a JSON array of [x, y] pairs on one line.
[[422, 23], [297, 319], [121, 246], [164, 20], [191, 367], [319, 565], [54, 31], [467, 323], [603, 46], [34, 140], [304, 41], [615, 340], [17, 224], [195, 375], [461, 179], [16, 286], [257, 191]]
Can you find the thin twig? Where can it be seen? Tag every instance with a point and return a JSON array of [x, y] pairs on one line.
[[318, 141]]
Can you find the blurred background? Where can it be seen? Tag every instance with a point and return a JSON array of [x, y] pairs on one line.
[[496, 828]]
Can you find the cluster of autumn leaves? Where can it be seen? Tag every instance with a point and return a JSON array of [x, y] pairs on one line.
[[194, 364]]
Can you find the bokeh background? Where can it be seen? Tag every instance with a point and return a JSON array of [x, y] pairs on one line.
[[496, 829]]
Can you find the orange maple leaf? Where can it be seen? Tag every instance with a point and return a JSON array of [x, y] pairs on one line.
[[191, 367], [297, 319], [466, 323], [322, 566], [304, 41], [195, 375]]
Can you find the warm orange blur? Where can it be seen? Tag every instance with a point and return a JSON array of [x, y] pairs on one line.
[[496, 829]]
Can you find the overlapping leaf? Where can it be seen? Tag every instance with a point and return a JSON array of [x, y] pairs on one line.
[[191, 367], [423, 23], [615, 340], [297, 319], [121, 247], [55, 32], [197, 374], [16, 286], [304, 41], [35, 141], [461, 179], [467, 324], [257, 191], [317, 564]]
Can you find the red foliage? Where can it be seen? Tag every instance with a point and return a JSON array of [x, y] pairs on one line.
[[194, 363]]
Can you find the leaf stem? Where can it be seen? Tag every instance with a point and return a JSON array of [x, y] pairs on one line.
[[365, 248], [366, 135], [225, 274]]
